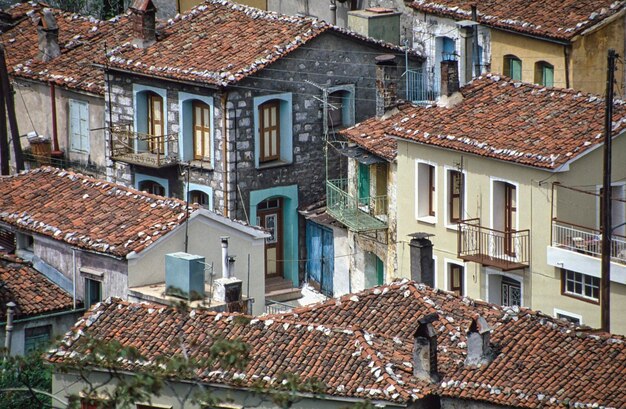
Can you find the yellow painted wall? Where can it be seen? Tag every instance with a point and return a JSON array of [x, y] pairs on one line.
[[530, 51], [185, 5], [541, 282], [589, 58]]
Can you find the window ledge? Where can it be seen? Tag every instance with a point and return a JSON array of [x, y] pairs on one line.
[[454, 227], [273, 164], [581, 298], [201, 164], [428, 219]]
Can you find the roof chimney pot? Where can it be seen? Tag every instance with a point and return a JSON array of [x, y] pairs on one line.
[[144, 23], [425, 349], [479, 350], [48, 36], [386, 83]]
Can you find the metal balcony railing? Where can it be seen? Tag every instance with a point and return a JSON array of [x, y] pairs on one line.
[[358, 214], [419, 89], [586, 240], [155, 151], [506, 250]]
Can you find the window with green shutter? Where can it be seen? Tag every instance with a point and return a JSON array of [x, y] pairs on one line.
[[37, 338], [544, 74], [79, 125], [513, 67]]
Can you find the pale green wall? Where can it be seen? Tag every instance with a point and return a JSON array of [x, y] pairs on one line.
[[205, 240], [541, 282]]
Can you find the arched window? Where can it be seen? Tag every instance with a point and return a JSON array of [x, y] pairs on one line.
[[544, 74], [201, 131], [150, 186], [512, 67], [199, 197]]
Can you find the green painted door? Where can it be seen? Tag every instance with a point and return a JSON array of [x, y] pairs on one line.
[[364, 184], [516, 69], [380, 271]]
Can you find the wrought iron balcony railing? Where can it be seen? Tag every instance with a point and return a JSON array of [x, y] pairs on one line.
[[506, 250], [586, 240], [155, 151], [358, 214]]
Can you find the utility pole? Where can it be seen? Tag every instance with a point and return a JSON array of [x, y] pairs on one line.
[[10, 104], [605, 281]]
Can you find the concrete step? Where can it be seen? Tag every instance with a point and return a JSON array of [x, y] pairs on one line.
[[286, 294]]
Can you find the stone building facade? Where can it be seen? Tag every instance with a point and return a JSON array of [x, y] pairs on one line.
[[234, 181]]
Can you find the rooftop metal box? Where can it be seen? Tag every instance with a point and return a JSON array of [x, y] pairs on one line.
[[184, 275], [376, 22]]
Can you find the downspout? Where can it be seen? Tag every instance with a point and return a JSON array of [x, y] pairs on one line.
[[224, 100], [55, 133], [9, 327], [566, 54], [74, 278]]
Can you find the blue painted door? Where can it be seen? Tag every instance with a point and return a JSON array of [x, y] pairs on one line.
[[320, 256]]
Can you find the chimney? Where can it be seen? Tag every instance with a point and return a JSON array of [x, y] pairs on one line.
[[478, 349], [425, 349], [48, 36], [450, 95], [9, 328], [422, 262], [144, 23], [467, 29], [386, 83], [225, 259]]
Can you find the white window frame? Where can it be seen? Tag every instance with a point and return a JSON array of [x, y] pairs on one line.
[[446, 193], [569, 314], [574, 294], [418, 206], [492, 183], [81, 149], [446, 279]]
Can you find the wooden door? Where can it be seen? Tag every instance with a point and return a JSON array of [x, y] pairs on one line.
[[269, 216]]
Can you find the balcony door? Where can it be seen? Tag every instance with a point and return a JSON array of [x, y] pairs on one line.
[[504, 218], [364, 184], [269, 216], [156, 144], [511, 292]]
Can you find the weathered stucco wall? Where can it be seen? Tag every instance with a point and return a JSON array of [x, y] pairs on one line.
[[589, 59], [33, 108]]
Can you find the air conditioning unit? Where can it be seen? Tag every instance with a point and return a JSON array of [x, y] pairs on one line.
[[184, 276]]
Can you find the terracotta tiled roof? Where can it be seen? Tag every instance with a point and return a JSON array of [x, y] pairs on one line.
[[86, 212], [502, 119], [220, 43], [557, 19], [348, 362], [361, 346], [81, 40], [541, 362], [33, 293]]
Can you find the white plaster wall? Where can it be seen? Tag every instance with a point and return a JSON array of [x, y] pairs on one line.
[[341, 275]]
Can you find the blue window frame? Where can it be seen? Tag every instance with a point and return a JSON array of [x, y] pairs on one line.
[[284, 153]]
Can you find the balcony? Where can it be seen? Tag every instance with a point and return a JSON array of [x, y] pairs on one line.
[[358, 214], [143, 149], [493, 248]]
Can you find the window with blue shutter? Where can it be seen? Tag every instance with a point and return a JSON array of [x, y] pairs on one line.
[[79, 126]]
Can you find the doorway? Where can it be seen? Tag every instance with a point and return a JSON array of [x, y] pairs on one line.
[[269, 216]]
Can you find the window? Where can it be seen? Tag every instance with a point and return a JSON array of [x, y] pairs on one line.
[[363, 184], [455, 192], [581, 285], [340, 110], [93, 292], [7, 241], [37, 338], [79, 125], [512, 67], [273, 130], [511, 292], [544, 74], [201, 131], [426, 191], [456, 278], [150, 186], [25, 242], [269, 114], [448, 52], [573, 318], [198, 197], [156, 142]]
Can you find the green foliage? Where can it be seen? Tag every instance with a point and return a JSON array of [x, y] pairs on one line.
[[28, 372]]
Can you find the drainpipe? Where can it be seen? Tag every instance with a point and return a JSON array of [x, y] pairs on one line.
[[55, 134], [224, 99], [74, 278], [333, 12], [9, 328], [566, 54]]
